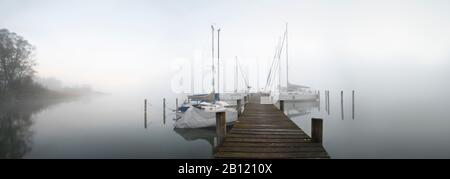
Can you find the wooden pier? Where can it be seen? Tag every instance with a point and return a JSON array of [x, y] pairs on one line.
[[264, 132]]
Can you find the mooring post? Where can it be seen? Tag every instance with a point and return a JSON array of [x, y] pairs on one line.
[[238, 107], [145, 113], [164, 105], [316, 130], [164, 110], [176, 105], [282, 105], [145, 108], [353, 104], [342, 104], [326, 100], [221, 127]]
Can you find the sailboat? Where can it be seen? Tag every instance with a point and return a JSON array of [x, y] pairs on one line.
[[200, 110], [290, 92], [237, 94]]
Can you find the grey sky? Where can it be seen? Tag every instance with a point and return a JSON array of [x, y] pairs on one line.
[[125, 43]]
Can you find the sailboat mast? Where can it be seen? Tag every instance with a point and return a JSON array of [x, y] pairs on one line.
[[257, 76], [213, 74], [236, 76], [279, 65], [192, 77], [287, 57], [218, 61]]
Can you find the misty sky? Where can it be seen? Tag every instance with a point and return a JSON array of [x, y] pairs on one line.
[[120, 44]]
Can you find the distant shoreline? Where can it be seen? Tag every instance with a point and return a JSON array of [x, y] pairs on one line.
[[46, 95]]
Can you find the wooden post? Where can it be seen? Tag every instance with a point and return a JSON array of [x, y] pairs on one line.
[[164, 106], [164, 110], [145, 108], [221, 127], [145, 113], [238, 107], [282, 105], [176, 105], [353, 104], [342, 104], [316, 130], [326, 100]]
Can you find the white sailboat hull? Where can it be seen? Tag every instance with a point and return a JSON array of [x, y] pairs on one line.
[[298, 97], [295, 96], [202, 118]]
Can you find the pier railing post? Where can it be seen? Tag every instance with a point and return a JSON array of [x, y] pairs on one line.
[[221, 127], [282, 105], [238, 107], [316, 130]]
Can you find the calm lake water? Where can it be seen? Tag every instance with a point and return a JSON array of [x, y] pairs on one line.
[[111, 126]]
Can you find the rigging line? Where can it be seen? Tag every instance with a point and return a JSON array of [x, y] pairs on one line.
[[282, 45], [269, 77], [279, 58], [276, 61], [277, 65], [271, 67], [274, 72], [242, 73]]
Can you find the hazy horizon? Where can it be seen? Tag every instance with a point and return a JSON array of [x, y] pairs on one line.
[[116, 46]]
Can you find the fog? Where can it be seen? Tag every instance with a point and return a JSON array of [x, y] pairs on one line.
[[118, 46], [394, 53]]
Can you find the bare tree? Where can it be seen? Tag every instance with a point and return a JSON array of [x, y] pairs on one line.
[[16, 60]]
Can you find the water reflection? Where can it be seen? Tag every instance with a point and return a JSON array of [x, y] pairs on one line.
[[301, 108], [15, 122], [206, 134], [327, 101], [342, 105]]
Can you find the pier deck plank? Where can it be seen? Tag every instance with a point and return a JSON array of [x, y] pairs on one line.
[[265, 132]]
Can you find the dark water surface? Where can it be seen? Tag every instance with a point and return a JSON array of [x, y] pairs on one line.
[[109, 126]]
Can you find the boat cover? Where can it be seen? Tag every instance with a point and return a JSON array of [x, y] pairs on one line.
[[197, 118]]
